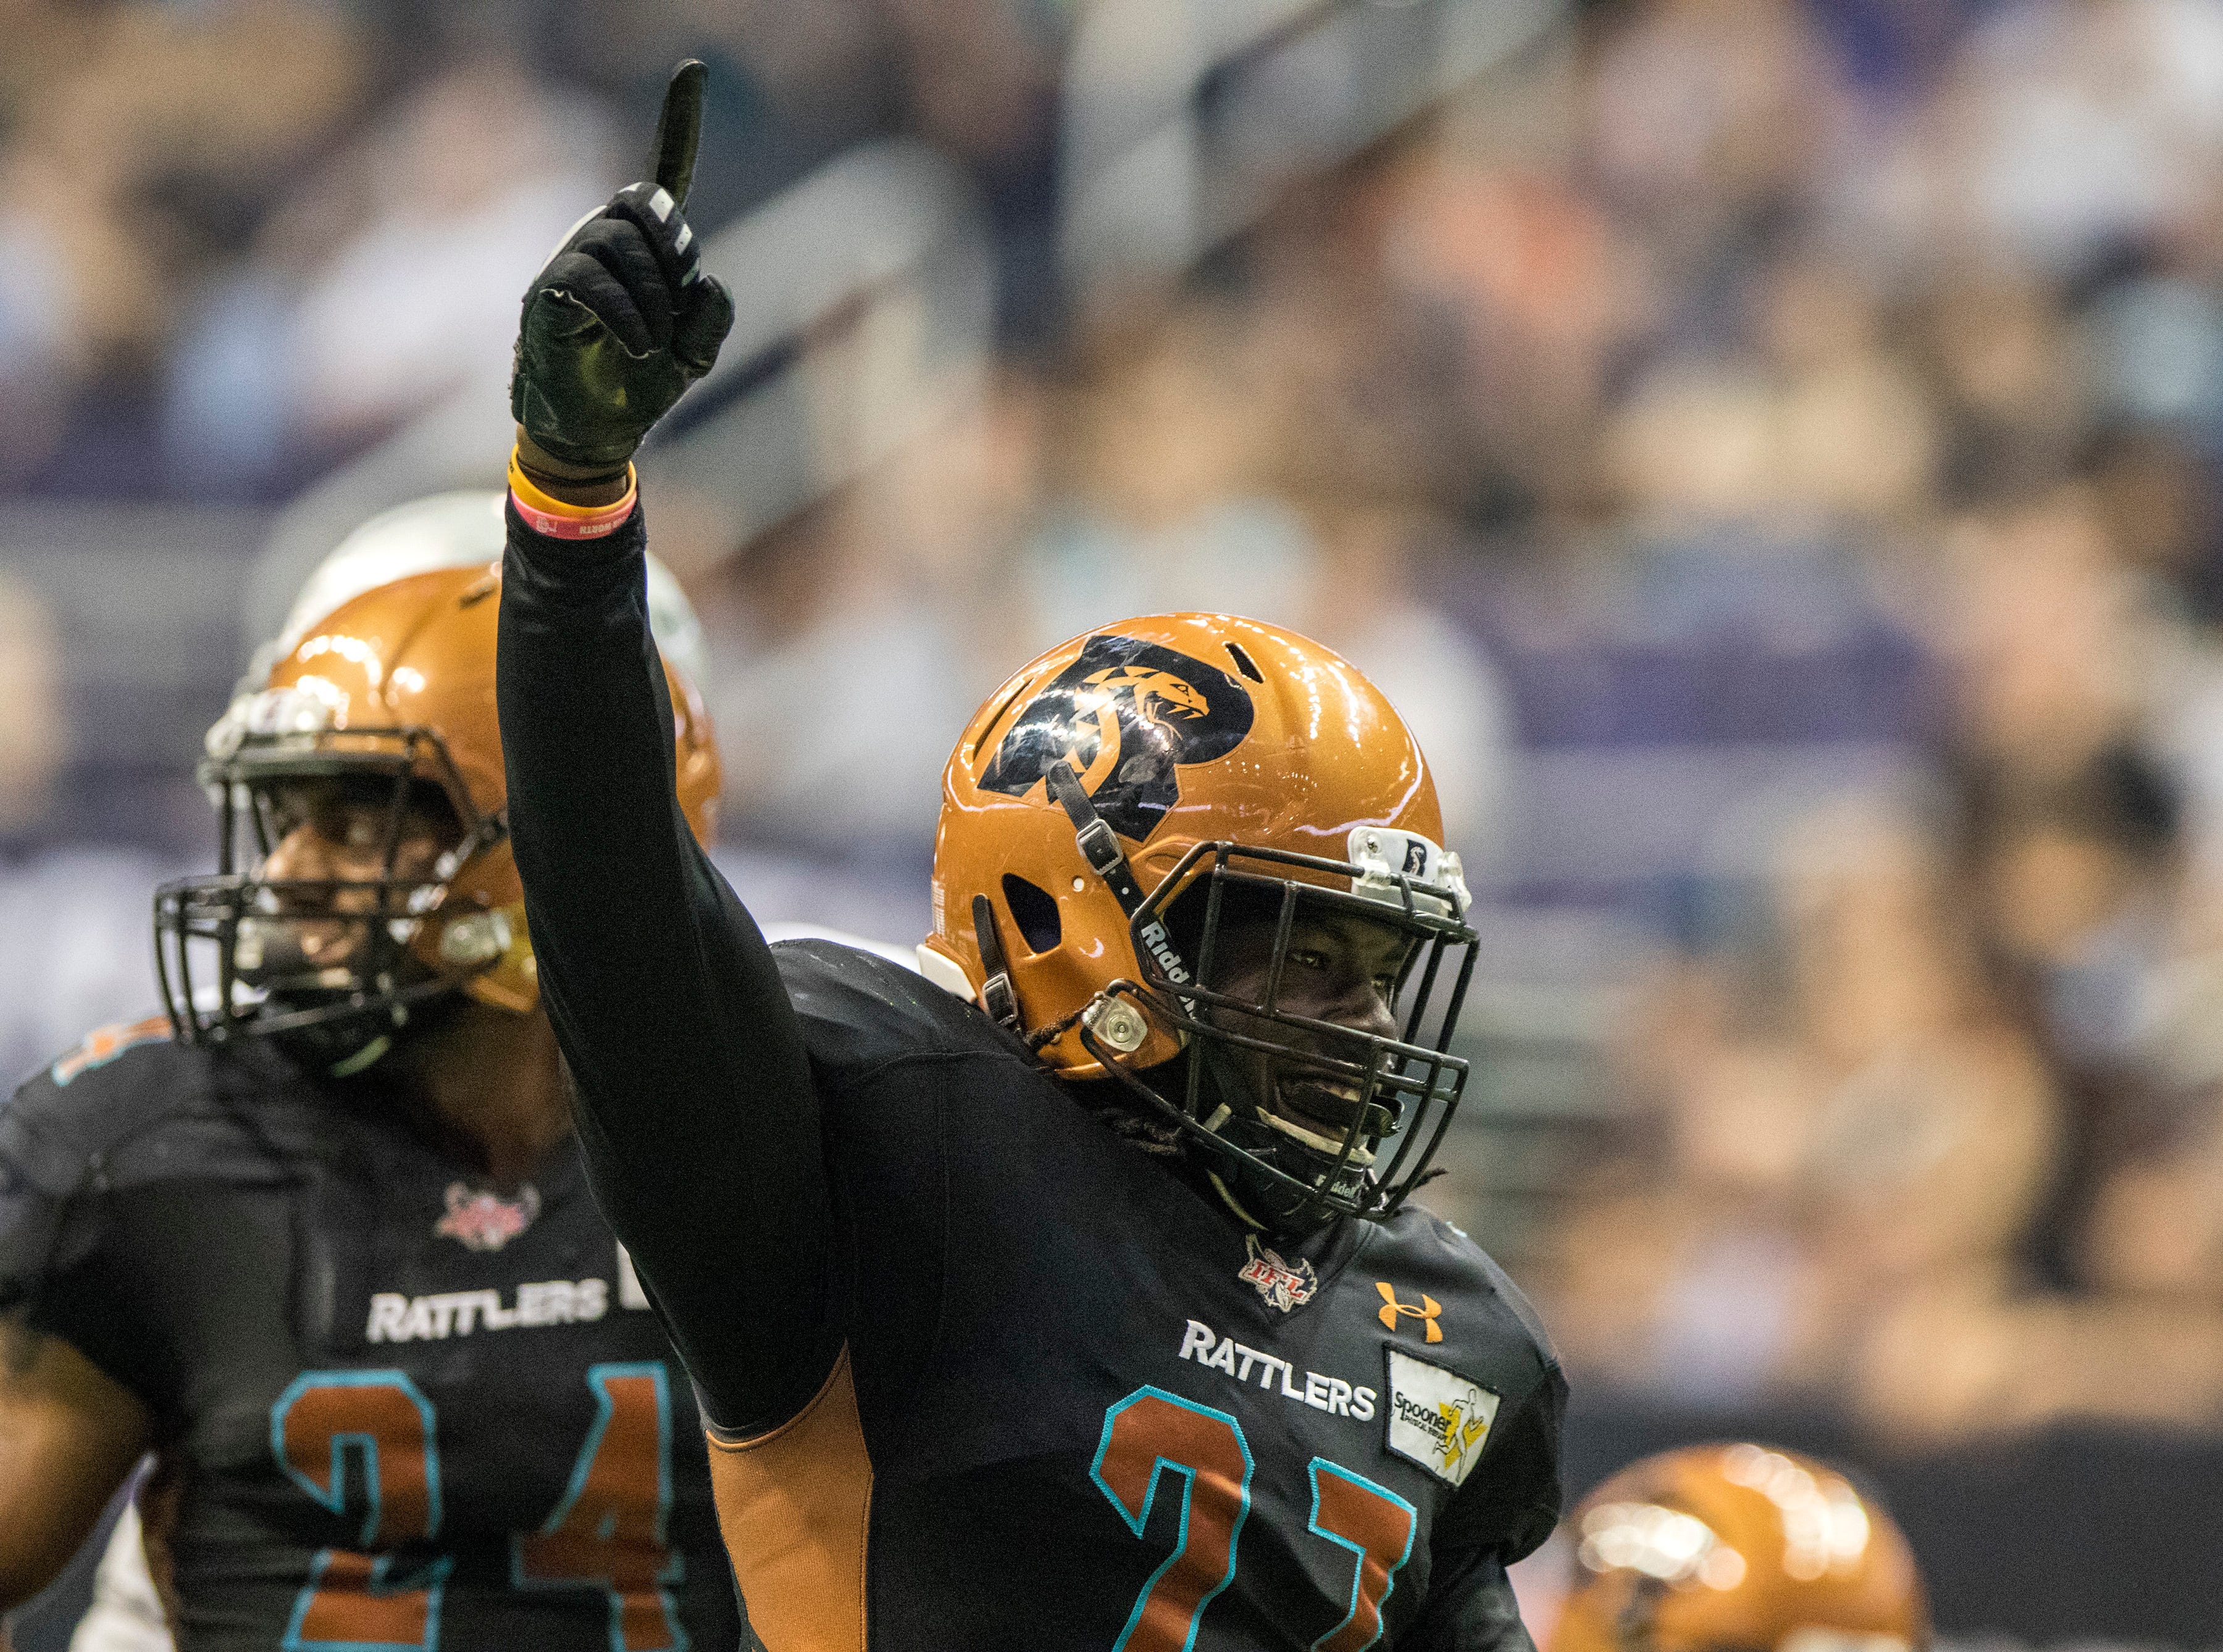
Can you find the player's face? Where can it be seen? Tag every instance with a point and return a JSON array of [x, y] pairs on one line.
[[1341, 968], [349, 830]]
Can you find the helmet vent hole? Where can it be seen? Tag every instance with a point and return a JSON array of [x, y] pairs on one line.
[[1243, 663], [1035, 911]]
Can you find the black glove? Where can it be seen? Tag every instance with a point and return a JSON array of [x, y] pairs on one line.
[[623, 318]]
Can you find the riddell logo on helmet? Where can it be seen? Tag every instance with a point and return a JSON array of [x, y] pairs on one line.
[[1156, 709], [1161, 948]]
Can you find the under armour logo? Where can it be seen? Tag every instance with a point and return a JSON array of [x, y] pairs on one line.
[[1426, 1313]]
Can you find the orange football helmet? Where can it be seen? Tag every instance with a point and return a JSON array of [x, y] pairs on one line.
[[1114, 802], [1738, 1549], [396, 685]]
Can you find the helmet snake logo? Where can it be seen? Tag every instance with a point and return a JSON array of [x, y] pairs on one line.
[[1156, 696], [1154, 709]]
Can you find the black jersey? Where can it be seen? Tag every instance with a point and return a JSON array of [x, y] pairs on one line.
[[981, 1373], [393, 1407], [1090, 1413]]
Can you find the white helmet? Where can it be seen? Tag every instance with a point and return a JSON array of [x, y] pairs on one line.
[[454, 531]]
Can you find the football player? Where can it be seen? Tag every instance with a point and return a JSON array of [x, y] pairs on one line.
[[1067, 1298], [320, 1237], [1738, 1549]]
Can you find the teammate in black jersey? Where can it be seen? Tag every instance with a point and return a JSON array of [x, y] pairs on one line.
[[1067, 1298], [320, 1239]]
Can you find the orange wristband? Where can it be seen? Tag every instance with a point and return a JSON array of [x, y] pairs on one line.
[[560, 519]]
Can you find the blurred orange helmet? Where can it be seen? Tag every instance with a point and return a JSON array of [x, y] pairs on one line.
[[396, 685], [1116, 800], [1738, 1549]]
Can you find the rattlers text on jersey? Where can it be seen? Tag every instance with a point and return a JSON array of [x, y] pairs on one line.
[[394, 1407]]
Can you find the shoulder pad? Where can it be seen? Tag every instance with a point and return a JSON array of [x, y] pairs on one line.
[[1417, 1229], [105, 1043], [1516, 1299], [111, 1089], [860, 1009]]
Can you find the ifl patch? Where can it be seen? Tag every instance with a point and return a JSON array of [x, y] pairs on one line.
[[1281, 1285], [482, 1219], [1437, 1418]]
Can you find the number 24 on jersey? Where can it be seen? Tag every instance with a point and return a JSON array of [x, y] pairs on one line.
[[605, 1532]]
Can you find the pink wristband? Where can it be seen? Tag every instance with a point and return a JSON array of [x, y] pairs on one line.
[[559, 521]]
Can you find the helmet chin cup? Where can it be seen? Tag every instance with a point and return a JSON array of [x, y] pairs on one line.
[[1313, 1184]]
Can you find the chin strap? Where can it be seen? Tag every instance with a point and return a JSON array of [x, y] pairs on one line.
[[1219, 1186], [1099, 844], [997, 995], [1099, 847], [362, 1059]]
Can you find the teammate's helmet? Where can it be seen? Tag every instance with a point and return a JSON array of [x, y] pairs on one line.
[[1738, 1549], [462, 529], [1116, 800], [396, 686]]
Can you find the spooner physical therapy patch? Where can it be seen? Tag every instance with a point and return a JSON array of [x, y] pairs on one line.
[[1437, 1418]]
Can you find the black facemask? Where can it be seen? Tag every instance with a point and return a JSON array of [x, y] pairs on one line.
[[1392, 1097], [232, 950]]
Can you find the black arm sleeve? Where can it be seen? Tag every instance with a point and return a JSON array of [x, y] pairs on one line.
[[691, 1084]]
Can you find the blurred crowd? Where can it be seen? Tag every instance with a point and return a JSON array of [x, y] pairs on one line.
[[239, 241], [1880, 310], [1771, 449]]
